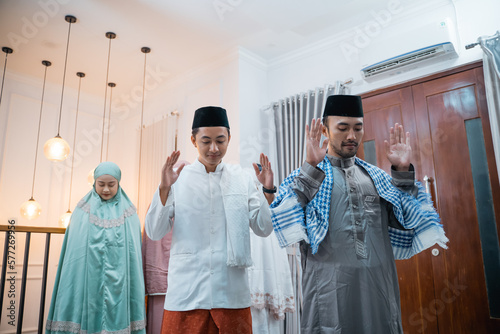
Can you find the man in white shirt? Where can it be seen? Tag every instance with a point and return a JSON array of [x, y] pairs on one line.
[[213, 204]]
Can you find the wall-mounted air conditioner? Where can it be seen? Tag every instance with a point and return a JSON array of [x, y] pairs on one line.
[[411, 50]]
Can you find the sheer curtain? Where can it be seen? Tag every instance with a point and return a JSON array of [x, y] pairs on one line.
[[286, 120], [491, 67], [158, 142]]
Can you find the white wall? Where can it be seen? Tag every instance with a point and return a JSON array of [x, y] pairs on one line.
[[325, 62], [215, 83], [21, 109], [252, 92]]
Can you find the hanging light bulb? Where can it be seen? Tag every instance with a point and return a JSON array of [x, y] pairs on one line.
[[31, 209], [90, 178], [176, 114], [57, 149], [7, 52], [110, 36], [66, 217]]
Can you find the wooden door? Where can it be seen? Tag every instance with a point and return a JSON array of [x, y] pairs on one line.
[[447, 292], [415, 275], [453, 127]]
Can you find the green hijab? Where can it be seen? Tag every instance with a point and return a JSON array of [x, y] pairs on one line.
[[106, 213], [108, 168]]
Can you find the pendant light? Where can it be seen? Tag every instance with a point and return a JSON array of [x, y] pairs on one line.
[[144, 50], [7, 52], [175, 113], [57, 149], [111, 85], [111, 36], [66, 217], [31, 209], [90, 176]]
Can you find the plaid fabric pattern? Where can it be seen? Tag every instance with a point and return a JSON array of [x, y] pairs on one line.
[[417, 215]]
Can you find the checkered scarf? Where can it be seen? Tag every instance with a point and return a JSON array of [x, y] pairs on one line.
[[416, 215]]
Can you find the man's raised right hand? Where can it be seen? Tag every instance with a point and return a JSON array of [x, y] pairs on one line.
[[315, 153]]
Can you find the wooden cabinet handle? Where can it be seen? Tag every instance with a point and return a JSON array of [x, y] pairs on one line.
[[429, 188]]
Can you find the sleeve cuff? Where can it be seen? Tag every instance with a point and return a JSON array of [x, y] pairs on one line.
[[170, 198], [403, 178], [314, 175]]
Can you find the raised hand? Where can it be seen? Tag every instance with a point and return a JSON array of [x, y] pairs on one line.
[[398, 150], [315, 153], [168, 175], [266, 176]]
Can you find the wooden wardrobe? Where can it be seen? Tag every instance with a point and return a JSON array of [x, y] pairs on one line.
[[454, 290]]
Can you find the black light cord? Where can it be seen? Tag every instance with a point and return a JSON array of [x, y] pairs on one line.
[[81, 75], [64, 80], [105, 97], [47, 64], [3, 76]]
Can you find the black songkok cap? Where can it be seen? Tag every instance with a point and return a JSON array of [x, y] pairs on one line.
[[343, 105], [210, 116]]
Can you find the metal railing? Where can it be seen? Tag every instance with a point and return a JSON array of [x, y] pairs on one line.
[[10, 236]]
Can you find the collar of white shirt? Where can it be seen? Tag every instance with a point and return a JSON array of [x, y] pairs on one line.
[[201, 167]]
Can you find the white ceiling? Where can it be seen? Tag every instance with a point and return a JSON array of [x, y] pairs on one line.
[[182, 34]]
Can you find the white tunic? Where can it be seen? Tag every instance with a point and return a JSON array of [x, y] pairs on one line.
[[199, 277]]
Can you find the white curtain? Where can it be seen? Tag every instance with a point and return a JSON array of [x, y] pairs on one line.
[[491, 67], [286, 121], [158, 142]]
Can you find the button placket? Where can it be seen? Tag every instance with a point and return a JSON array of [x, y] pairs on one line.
[[212, 222], [356, 215], [210, 182]]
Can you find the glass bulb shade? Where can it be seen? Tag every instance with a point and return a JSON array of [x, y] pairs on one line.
[[65, 219], [56, 149], [90, 178], [31, 209]]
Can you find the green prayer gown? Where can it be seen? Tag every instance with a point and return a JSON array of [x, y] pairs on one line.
[[99, 287]]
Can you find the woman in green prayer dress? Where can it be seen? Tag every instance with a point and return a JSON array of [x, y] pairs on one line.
[[99, 287]]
